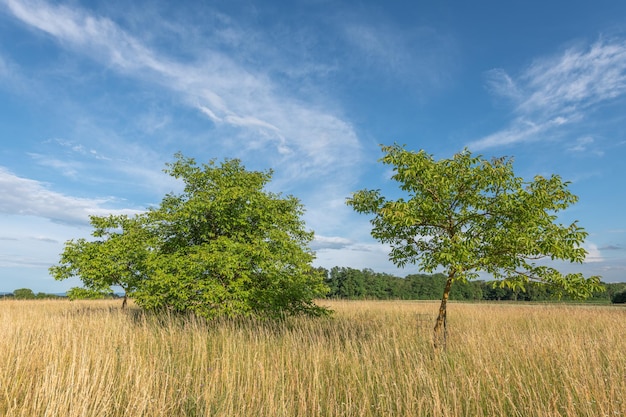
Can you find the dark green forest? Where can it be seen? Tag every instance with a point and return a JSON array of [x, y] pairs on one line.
[[350, 283]]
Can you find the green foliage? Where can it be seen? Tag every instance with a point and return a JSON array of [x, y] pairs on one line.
[[24, 294], [78, 293], [223, 247], [619, 297], [468, 215], [45, 296], [118, 256], [28, 294], [349, 283]]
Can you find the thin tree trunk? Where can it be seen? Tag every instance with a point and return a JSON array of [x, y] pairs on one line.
[[125, 301], [440, 331]]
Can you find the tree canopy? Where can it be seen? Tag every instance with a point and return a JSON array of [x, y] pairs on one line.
[[468, 215], [224, 246], [24, 294]]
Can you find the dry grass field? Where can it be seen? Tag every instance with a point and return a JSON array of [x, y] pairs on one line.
[[61, 358]]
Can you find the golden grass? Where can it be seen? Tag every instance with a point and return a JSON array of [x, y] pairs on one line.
[[370, 359]]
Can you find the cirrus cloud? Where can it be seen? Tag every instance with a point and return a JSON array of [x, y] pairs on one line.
[[558, 91], [23, 196]]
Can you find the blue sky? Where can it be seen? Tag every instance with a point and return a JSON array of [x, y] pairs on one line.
[[95, 98]]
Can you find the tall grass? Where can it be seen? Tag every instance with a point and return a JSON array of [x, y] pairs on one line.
[[370, 359]]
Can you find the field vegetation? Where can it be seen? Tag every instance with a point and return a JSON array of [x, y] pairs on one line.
[[370, 358]]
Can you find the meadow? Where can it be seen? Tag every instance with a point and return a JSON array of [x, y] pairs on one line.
[[370, 358]]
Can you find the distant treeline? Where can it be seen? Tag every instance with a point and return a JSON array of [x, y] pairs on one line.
[[354, 284], [28, 294], [349, 283]]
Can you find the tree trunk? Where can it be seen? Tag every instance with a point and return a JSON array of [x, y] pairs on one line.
[[440, 331], [125, 301]]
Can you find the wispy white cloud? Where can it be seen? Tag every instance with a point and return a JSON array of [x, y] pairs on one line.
[[330, 242], [208, 112], [521, 130], [99, 36], [581, 144], [585, 144], [230, 94], [115, 161], [579, 78], [558, 91], [73, 147], [27, 197], [501, 84], [252, 117], [67, 168]]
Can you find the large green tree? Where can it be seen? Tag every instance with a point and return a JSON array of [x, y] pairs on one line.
[[469, 215], [224, 246], [227, 246]]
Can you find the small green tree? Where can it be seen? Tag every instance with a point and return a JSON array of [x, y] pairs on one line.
[[468, 215], [116, 257], [24, 294]]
